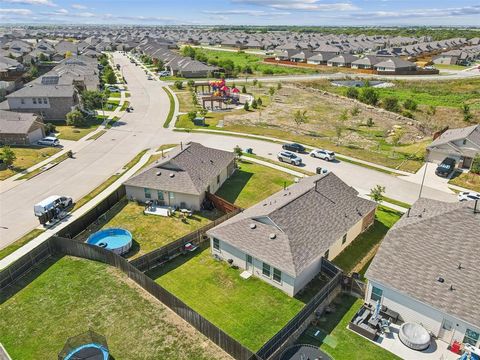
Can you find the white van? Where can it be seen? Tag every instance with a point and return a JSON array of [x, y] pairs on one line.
[[52, 202]]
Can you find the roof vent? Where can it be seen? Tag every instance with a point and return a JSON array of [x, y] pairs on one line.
[[459, 266], [253, 226], [451, 288], [441, 280], [272, 236], [172, 175], [159, 173]]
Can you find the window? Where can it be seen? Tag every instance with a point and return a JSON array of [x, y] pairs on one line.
[[471, 337], [326, 254], [148, 195], [266, 270], [277, 275], [344, 239], [34, 100], [22, 101], [218, 179], [171, 195], [447, 325], [216, 244], [160, 195], [45, 100], [376, 294]]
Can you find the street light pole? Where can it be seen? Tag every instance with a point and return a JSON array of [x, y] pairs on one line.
[[424, 176]]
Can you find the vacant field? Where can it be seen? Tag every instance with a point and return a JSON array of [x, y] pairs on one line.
[[252, 183], [251, 311], [152, 231], [73, 133], [27, 157], [74, 295], [339, 342]]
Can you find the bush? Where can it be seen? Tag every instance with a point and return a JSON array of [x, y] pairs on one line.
[[369, 96], [246, 107], [408, 114], [370, 122], [254, 104], [75, 118], [391, 104], [190, 83], [178, 85], [355, 111], [410, 104], [476, 165], [267, 72], [259, 101], [8, 156], [244, 89], [192, 115], [352, 93], [49, 128]]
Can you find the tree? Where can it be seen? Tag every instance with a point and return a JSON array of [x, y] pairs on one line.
[[75, 118], [68, 54], [49, 128], [8, 156], [410, 104], [244, 89], [396, 138], [109, 76], [245, 106], [467, 115], [255, 82], [391, 104], [338, 131], [254, 104], [190, 84], [93, 99], [369, 96], [203, 112], [237, 150], [376, 193], [476, 165], [259, 101], [271, 91], [178, 85], [352, 93], [42, 57], [191, 115], [300, 117], [370, 122]]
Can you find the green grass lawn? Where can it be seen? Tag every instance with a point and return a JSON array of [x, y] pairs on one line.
[[251, 311], [67, 132], [353, 255], [111, 104], [252, 183], [151, 231], [340, 342], [27, 157], [185, 101], [171, 110], [20, 242], [468, 180], [74, 295]]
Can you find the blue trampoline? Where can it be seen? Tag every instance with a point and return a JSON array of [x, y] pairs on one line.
[[88, 352], [116, 240], [86, 346]]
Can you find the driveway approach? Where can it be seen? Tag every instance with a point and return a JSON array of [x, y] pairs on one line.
[[142, 129]]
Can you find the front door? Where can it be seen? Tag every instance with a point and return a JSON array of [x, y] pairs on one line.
[[249, 263], [467, 162], [446, 331]]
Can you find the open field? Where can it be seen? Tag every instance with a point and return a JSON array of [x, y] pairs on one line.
[[67, 132], [251, 311], [27, 157], [74, 295], [339, 342], [151, 231], [469, 181], [252, 183]]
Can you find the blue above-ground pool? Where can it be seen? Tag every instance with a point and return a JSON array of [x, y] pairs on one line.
[[91, 351], [116, 240]]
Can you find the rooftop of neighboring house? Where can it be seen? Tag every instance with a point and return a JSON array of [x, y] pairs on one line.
[[187, 169], [17, 123], [33, 89], [434, 240], [471, 133], [305, 219]]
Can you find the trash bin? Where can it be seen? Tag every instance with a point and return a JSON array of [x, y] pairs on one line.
[[319, 170], [249, 151]]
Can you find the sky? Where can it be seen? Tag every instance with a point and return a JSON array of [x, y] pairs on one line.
[[243, 12]]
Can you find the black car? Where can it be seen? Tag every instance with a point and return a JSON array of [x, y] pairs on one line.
[[294, 147], [446, 167]]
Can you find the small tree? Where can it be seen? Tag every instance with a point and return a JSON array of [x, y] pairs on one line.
[[467, 115], [391, 104], [237, 150], [259, 101], [376, 193], [8, 156], [178, 85], [255, 82], [109, 76], [369, 96], [370, 122], [254, 104], [476, 165], [68, 54], [49, 128], [397, 137], [410, 104], [338, 131], [75, 118], [191, 115], [244, 89], [432, 110], [246, 107], [190, 84], [203, 112], [300, 117], [271, 91], [42, 57], [355, 111], [352, 93]]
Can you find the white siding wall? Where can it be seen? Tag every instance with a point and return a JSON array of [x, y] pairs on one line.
[[191, 201], [214, 186], [35, 135], [412, 310], [16, 103], [239, 258]]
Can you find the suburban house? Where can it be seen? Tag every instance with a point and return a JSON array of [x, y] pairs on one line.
[[20, 129], [395, 65], [367, 62], [183, 177], [282, 239], [427, 269], [320, 58], [343, 60], [461, 144]]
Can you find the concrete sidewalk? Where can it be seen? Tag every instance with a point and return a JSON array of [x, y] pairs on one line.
[[75, 215]]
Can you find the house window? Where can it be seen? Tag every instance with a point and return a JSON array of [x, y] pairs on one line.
[[471, 337], [160, 195], [171, 195], [326, 254], [344, 239], [277, 275], [34, 100], [218, 179], [216, 244], [376, 294], [447, 325], [148, 194], [266, 271], [45, 101], [22, 101]]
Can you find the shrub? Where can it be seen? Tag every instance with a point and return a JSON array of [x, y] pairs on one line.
[[254, 104], [246, 107], [391, 104], [410, 104], [8, 156], [370, 122], [267, 72], [279, 86], [190, 83], [49, 128], [476, 165], [244, 89], [408, 114], [355, 111], [255, 82], [75, 118], [178, 85], [369, 96], [191, 115], [352, 93], [259, 101]]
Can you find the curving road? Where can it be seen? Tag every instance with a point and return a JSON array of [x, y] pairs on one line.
[[142, 129]]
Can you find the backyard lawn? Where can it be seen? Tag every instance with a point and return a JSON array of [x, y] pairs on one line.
[[252, 183], [27, 157], [338, 341], [68, 132], [251, 311], [152, 231], [354, 257], [75, 295]]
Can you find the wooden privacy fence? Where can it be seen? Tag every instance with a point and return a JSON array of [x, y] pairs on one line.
[[222, 204], [165, 253]]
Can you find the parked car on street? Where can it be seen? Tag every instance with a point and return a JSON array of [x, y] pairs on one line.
[[294, 147], [49, 141], [323, 154], [468, 196], [446, 167], [164, 73], [150, 77], [51, 202], [289, 157]]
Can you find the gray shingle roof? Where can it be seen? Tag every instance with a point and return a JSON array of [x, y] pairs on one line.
[[193, 169], [50, 91], [470, 132], [428, 243], [16, 123], [307, 218]]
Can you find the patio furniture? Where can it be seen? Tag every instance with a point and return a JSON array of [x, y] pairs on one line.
[[389, 314], [373, 322], [186, 212]]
